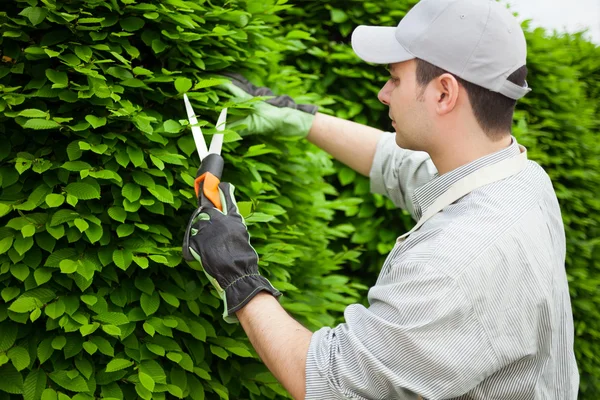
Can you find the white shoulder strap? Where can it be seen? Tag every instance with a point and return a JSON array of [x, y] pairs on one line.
[[481, 177]]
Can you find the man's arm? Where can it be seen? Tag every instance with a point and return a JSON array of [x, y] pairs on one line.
[[349, 142], [280, 341]]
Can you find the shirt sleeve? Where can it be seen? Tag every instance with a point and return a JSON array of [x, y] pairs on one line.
[[397, 172], [419, 336]]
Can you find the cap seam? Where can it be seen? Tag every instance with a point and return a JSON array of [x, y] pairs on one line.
[[479, 41]]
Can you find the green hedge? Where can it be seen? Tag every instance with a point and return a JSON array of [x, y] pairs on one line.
[[97, 166], [558, 121]]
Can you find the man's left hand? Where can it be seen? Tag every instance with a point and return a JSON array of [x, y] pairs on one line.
[[221, 243]]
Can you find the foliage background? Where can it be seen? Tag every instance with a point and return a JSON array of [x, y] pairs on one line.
[[96, 171]]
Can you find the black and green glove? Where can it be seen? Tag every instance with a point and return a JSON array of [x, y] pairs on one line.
[[221, 243], [279, 115]]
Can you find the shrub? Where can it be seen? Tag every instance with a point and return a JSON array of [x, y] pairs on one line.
[[97, 166]]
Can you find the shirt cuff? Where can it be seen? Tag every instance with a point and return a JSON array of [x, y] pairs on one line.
[[382, 154], [317, 367]]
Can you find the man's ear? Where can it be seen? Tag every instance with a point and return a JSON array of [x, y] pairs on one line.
[[446, 91]]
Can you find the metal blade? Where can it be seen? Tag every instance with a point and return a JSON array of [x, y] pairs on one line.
[[217, 141], [196, 131]]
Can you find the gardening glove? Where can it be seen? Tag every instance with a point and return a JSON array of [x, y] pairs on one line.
[[221, 243], [279, 115]]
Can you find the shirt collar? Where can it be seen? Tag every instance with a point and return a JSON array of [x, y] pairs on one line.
[[425, 195]]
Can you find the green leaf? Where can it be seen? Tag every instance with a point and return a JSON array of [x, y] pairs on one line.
[[59, 342], [145, 284], [169, 298], [6, 244], [96, 122], [156, 349], [12, 380], [68, 266], [76, 166], [84, 366], [175, 391], [35, 314], [55, 200], [172, 126], [49, 394], [61, 378], [10, 293], [83, 191], [24, 305], [36, 15], [141, 261], [34, 385], [183, 85], [118, 213], [132, 24], [146, 380], [346, 176], [113, 318], [81, 224], [57, 77], [45, 350], [125, 230], [28, 231], [23, 244], [84, 52], [20, 271], [162, 194], [112, 330], [33, 113], [90, 347], [150, 303], [122, 258], [131, 192], [143, 179], [56, 309], [42, 275], [94, 233], [219, 352], [89, 329], [136, 156], [40, 124], [118, 364], [19, 357]]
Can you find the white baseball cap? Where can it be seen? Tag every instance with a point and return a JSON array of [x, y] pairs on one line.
[[479, 41]]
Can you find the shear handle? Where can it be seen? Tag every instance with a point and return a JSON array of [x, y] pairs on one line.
[[209, 173]]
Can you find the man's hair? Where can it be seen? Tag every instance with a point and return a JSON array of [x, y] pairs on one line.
[[493, 111]]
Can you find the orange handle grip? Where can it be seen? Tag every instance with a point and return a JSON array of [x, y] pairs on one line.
[[210, 188]]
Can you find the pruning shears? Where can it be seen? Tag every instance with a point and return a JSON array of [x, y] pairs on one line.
[[211, 162]]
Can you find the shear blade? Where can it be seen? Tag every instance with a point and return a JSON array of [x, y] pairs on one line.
[[217, 141], [196, 131]]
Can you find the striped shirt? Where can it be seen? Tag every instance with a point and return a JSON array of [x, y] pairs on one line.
[[473, 305]]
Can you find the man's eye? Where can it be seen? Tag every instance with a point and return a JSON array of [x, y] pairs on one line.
[[394, 80]]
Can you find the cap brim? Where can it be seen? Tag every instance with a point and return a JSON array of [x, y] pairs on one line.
[[378, 44]]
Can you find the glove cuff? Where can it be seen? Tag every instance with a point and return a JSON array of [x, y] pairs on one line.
[[240, 292]]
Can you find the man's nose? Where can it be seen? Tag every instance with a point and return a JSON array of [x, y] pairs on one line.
[[384, 94]]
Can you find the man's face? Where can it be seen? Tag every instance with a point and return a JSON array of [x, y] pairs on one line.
[[409, 115]]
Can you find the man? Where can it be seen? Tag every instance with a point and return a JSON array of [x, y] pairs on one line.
[[473, 303]]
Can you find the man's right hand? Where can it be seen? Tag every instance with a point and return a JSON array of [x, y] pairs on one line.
[[279, 115]]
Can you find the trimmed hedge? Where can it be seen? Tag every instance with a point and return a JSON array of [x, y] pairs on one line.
[[97, 167], [96, 186]]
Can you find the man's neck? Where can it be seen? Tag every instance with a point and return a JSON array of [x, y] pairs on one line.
[[456, 154]]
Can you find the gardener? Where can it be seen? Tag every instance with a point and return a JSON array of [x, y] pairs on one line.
[[474, 302]]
